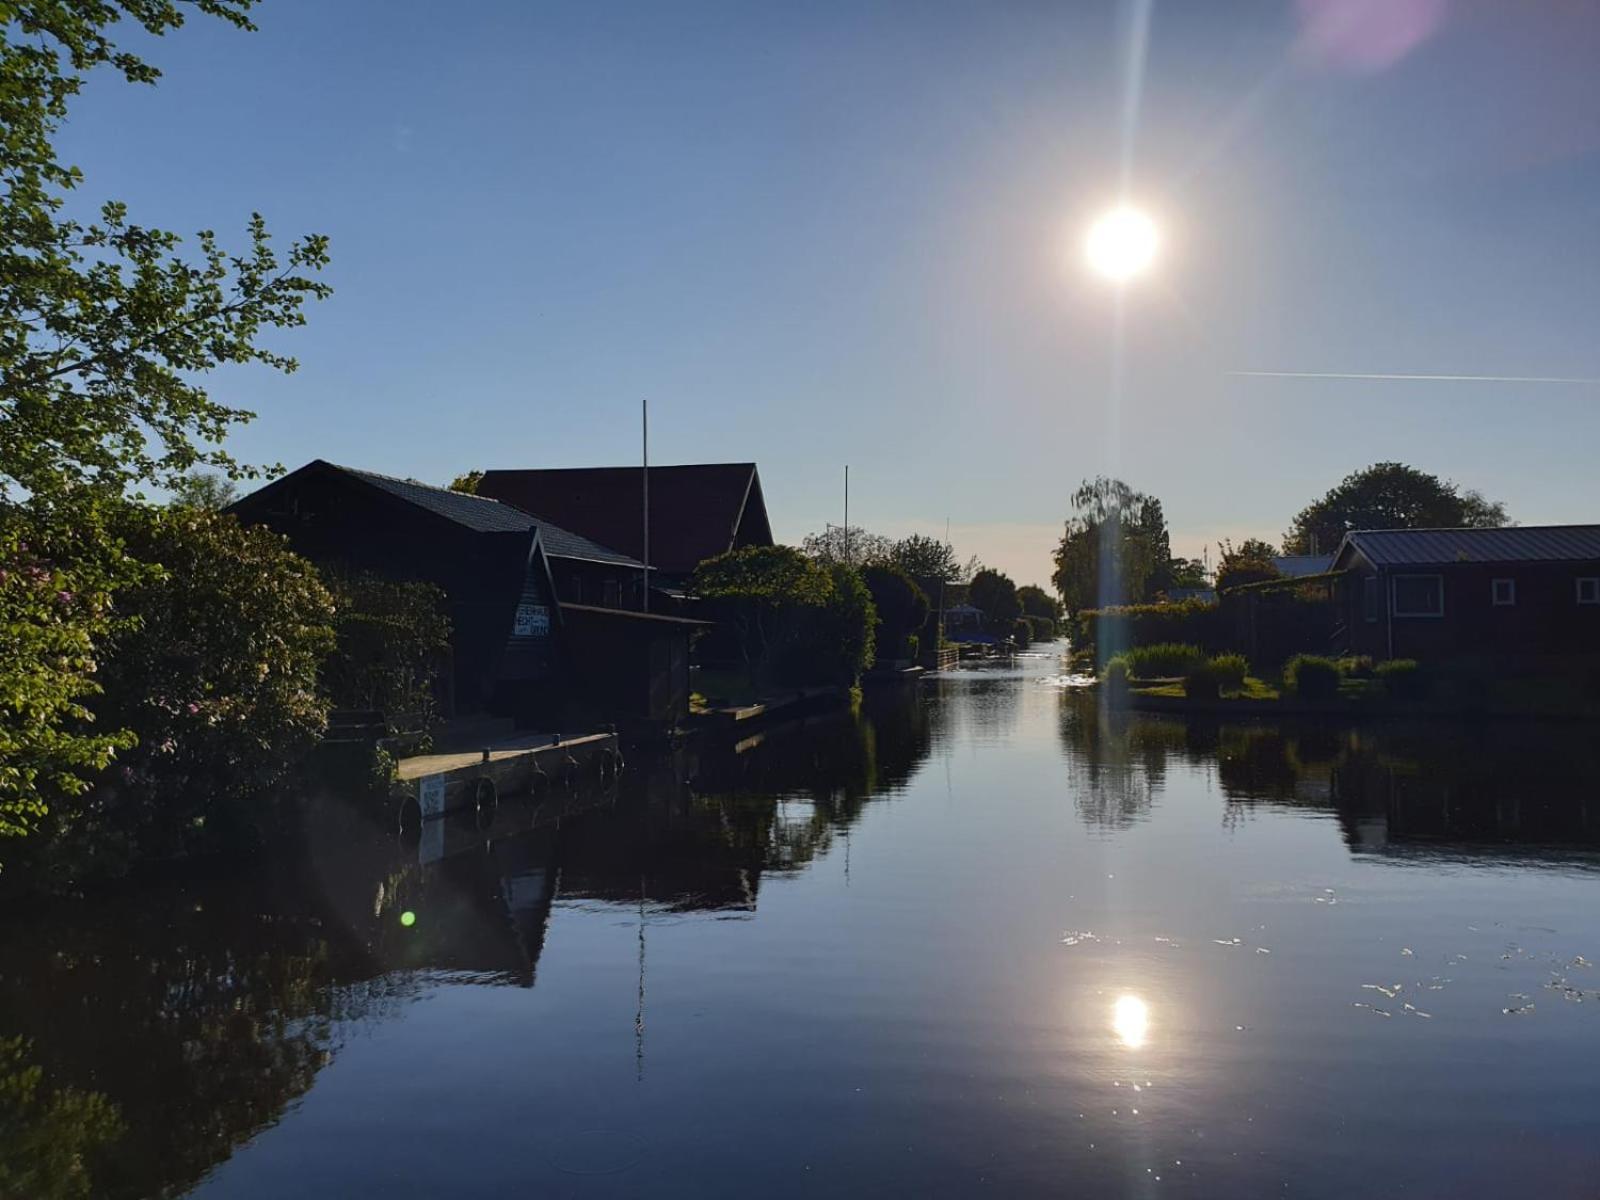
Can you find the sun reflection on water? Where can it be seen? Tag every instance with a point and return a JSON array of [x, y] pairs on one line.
[[1130, 1021]]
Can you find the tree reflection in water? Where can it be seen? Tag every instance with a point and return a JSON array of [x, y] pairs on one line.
[[147, 1034], [1498, 790]]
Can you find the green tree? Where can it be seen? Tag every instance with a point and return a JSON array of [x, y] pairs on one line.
[[1249, 562], [204, 489], [855, 546], [1036, 602], [902, 607], [215, 668], [1187, 573], [791, 618], [389, 640], [467, 482], [1388, 495], [106, 330], [995, 593], [1115, 548], [923, 557]]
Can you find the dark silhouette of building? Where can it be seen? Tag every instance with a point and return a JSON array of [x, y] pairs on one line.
[[1428, 593], [697, 511]]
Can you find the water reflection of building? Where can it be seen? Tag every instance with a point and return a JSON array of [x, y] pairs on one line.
[[191, 1015]]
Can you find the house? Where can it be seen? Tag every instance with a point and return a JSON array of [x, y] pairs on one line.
[[697, 511], [1428, 593], [515, 649]]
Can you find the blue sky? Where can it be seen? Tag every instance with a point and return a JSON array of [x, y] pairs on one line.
[[828, 233]]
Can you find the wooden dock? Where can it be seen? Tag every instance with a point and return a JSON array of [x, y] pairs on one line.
[[523, 765]]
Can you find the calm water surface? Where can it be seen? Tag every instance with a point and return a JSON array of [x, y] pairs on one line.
[[981, 938]]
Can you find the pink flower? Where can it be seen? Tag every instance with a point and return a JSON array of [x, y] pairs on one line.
[[64, 597], [193, 708]]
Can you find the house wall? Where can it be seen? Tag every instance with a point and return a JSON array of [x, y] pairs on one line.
[[1545, 619], [606, 585], [630, 669]]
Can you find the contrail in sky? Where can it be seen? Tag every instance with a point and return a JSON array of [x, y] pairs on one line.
[[1575, 382]]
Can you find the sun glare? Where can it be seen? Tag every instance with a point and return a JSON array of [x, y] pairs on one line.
[[1122, 244], [1130, 1021]]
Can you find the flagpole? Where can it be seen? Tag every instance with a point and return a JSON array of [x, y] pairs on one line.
[[644, 416]]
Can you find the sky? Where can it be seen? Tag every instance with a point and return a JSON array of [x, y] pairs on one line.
[[822, 234]]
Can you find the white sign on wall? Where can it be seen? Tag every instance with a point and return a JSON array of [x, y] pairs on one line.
[[533, 620]]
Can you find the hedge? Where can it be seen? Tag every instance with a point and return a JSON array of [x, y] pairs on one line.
[[1112, 630]]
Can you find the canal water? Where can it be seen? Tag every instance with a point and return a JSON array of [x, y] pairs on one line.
[[979, 938]]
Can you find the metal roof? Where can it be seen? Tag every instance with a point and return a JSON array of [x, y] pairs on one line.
[[483, 515], [1440, 547]]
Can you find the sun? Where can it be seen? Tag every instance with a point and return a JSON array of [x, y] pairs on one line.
[[1122, 244], [1130, 1021]]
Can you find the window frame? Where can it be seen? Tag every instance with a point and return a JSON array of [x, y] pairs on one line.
[[1494, 592], [1594, 585], [1394, 597]]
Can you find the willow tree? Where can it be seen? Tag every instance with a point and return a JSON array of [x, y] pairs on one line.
[[108, 329]]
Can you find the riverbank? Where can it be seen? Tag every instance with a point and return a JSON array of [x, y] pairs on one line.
[[1366, 700]]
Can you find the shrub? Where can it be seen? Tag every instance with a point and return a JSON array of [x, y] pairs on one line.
[[902, 608], [217, 675], [1356, 667], [1169, 658], [1404, 679], [1044, 628], [1312, 677], [390, 640], [1022, 631], [1230, 670]]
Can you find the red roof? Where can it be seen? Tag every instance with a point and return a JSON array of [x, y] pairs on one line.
[[696, 511]]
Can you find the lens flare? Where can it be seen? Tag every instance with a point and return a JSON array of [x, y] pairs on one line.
[[1130, 1021], [1122, 244]]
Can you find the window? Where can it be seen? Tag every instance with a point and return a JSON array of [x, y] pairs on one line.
[[1502, 591], [1589, 590], [1419, 595], [1370, 605]]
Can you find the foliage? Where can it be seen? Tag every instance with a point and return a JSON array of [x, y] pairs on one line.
[[996, 594], [48, 1137], [838, 639], [204, 489], [1036, 602], [50, 620], [389, 639], [1388, 495], [469, 482], [1312, 677], [1041, 629], [106, 331], [1250, 562], [1022, 631], [1110, 630], [1114, 550], [1404, 679], [1357, 666], [215, 671], [901, 605], [792, 619], [1187, 573], [926, 558], [1231, 671], [853, 545], [1161, 661]]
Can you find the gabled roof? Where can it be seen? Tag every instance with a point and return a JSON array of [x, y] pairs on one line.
[[1442, 547], [479, 514], [696, 510]]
